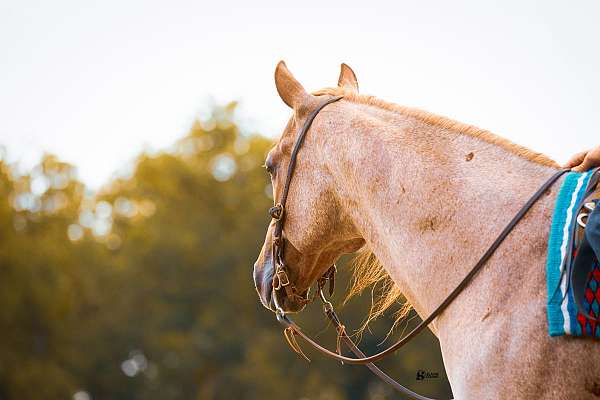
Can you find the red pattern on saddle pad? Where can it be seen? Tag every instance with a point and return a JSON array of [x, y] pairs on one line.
[[590, 327]]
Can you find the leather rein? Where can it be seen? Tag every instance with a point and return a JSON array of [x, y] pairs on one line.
[[281, 281]]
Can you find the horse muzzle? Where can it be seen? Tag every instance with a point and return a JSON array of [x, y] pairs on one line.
[[271, 297]]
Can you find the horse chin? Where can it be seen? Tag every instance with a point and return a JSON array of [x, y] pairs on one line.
[[265, 294], [288, 305]]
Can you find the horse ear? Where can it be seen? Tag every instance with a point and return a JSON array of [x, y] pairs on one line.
[[290, 90], [347, 78]]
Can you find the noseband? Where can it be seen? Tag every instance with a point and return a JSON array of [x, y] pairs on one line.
[[281, 279]]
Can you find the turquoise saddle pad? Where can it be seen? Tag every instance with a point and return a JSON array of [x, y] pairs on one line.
[[563, 318]]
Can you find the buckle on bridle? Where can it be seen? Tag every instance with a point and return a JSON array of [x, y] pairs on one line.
[[280, 279], [328, 277]]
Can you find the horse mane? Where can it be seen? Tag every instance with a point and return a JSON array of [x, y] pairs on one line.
[[442, 122], [368, 271]]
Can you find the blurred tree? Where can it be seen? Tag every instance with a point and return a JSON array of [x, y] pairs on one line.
[[144, 290], [39, 285]]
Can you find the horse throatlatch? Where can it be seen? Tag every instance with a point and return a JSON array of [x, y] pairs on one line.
[[281, 279]]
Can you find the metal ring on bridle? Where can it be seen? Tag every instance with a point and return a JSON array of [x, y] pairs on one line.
[[276, 212], [327, 306], [580, 218]]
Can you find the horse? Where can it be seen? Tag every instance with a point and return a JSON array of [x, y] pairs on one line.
[[426, 195]]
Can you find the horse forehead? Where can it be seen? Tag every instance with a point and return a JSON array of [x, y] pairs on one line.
[[283, 146], [288, 134]]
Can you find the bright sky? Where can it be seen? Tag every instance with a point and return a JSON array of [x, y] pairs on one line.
[[97, 82]]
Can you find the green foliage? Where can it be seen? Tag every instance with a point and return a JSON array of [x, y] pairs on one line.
[[144, 290]]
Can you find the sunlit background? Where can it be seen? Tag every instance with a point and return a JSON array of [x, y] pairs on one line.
[[97, 82], [131, 136]]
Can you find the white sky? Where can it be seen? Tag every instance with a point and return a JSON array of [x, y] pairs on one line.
[[97, 82]]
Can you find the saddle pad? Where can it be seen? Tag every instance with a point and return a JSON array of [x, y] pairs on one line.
[[563, 318]]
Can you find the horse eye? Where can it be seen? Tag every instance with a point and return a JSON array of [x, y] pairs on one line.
[[269, 167]]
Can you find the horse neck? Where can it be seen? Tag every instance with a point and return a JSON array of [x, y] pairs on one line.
[[428, 201]]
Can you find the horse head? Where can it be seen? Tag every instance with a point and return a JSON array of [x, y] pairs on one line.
[[317, 228]]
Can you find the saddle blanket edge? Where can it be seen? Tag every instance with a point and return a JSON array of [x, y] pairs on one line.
[[563, 318]]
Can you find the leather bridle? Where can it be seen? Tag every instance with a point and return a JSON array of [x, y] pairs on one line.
[[281, 279]]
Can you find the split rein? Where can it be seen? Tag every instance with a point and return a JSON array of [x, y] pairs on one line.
[[281, 281]]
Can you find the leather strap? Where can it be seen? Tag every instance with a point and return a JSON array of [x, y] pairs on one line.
[[280, 207], [343, 336], [288, 323], [281, 279]]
